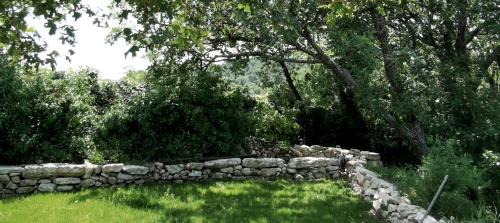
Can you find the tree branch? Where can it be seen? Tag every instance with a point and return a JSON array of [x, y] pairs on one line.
[[266, 56], [344, 74], [472, 35], [391, 70], [490, 58], [460, 42]]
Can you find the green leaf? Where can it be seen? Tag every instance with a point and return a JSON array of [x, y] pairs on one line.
[[30, 30], [52, 27], [133, 50], [77, 15], [247, 9], [127, 32]]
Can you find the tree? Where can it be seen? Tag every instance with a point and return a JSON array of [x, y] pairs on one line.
[[390, 58], [281, 31], [460, 41], [22, 43]]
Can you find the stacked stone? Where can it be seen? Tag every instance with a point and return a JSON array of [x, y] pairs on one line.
[[314, 162], [263, 167], [178, 172], [45, 178], [387, 201], [314, 168], [233, 168], [52, 177], [223, 168], [314, 151], [10, 180], [310, 163], [118, 174], [371, 158], [367, 157]]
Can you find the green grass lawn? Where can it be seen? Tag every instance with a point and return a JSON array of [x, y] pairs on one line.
[[237, 201]]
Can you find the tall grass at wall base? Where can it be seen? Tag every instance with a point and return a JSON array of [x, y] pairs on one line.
[[463, 198]]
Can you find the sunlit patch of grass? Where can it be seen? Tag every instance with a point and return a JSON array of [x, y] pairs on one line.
[[241, 201]]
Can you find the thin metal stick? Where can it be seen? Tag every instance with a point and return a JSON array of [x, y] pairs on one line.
[[435, 197]]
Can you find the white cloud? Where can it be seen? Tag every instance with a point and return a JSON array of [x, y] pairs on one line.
[[91, 49]]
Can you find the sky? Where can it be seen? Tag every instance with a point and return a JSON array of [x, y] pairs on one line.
[[91, 49]]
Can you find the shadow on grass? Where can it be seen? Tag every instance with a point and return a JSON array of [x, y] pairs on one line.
[[132, 197], [244, 201]]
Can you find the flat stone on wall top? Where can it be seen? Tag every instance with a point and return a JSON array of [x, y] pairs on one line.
[[222, 163], [112, 168], [10, 169], [263, 162], [54, 169], [302, 148], [317, 148], [309, 162], [370, 155], [135, 170]]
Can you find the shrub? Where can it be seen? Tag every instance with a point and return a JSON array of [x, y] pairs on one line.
[[44, 116], [275, 126], [485, 214], [181, 116], [491, 165], [464, 182], [463, 186]]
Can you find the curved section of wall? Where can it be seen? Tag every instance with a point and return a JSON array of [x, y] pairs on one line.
[[387, 202]]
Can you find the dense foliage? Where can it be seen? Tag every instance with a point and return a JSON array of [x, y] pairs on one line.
[[177, 116], [468, 184], [415, 68], [59, 117], [44, 116]]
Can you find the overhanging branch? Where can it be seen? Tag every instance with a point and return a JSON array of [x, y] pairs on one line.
[[265, 55]]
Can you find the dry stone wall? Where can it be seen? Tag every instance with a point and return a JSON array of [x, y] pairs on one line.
[[387, 202], [51, 177], [300, 163]]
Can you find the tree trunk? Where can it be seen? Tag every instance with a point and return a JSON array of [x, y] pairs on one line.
[[289, 81], [412, 131]]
